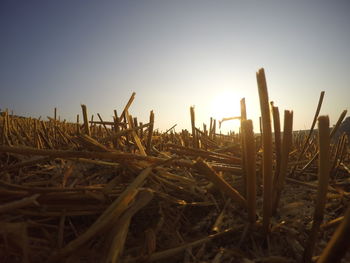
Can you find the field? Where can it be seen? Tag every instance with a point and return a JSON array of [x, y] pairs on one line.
[[120, 191]]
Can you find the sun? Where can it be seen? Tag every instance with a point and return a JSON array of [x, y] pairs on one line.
[[225, 105]]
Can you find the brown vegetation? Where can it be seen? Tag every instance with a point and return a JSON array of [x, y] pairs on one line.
[[120, 191]]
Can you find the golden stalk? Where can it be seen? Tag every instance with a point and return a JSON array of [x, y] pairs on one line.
[[55, 123], [210, 128], [4, 128], [250, 167], [116, 141], [103, 124], [323, 178], [78, 124], [243, 109], [213, 133], [92, 124], [267, 148], [243, 118], [209, 172], [193, 125], [86, 121], [277, 133], [127, 106], [134, 134], [286, 147], [150, 132]]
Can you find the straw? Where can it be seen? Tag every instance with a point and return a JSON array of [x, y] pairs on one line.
[[267, 148], [323, 174]]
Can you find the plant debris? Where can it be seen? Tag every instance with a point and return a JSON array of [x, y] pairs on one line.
[[121, 191]]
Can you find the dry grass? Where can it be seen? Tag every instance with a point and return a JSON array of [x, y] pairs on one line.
[[121, 191]]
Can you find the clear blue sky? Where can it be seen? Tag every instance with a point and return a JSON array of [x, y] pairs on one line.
[[173, 54]]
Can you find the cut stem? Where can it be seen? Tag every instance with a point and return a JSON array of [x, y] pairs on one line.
[[250, 167], [286, 147], [323, 177], [86, 121], [267, 148]]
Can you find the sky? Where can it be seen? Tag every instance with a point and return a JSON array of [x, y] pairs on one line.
[[174, 54]]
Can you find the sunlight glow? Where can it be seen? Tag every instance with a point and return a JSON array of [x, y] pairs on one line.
[[225, 105]]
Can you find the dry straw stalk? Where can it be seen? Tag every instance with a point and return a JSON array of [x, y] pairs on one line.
[[267, 148], [323, 178], [250, 168]]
